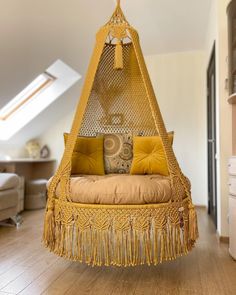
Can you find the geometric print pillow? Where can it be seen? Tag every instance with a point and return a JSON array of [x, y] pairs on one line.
[[118, 153]]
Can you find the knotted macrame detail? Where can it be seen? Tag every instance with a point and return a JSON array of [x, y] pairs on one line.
[[129, 236], [119, 33]]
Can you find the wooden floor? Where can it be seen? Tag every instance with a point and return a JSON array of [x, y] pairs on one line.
[[27, 268]]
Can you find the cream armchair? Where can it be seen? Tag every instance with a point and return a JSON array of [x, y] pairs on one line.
[[9, 196]]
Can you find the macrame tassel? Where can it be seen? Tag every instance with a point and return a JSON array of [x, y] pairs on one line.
[[127, 245], [49, 227], [118, 56], [193, 228]]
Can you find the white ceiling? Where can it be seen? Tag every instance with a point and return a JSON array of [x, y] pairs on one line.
[[36, 33], [169, 25]]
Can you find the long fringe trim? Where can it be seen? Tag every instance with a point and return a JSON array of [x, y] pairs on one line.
[[121, 237]]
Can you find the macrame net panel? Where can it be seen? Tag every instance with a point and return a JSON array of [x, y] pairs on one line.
[[118, 101]]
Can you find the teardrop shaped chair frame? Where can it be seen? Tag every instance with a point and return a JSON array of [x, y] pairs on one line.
[[121, 235]]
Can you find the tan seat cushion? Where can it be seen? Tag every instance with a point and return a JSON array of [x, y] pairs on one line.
[[120, 189]]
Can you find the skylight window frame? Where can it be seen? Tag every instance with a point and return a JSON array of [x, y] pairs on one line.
[[30, 92], [63, 77]]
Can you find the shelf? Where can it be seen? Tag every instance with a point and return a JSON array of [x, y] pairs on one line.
[[26, 160], [232, 98]]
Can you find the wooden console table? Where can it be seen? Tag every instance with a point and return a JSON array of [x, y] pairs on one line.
[[28, 169]]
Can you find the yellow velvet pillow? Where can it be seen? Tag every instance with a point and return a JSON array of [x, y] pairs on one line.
[[149, 156], [87, 157]]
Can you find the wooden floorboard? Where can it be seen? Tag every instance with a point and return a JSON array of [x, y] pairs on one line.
[[27, 268]]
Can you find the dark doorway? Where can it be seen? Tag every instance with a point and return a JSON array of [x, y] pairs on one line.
[[211, 138]]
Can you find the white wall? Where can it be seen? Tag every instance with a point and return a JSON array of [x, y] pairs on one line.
[[179, 83], [53, 137], [217, 32]]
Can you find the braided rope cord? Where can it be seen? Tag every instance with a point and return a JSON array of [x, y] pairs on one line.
[[118, 16]]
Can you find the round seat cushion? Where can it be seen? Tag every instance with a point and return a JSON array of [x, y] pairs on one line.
[[36, 186], [119, 189]]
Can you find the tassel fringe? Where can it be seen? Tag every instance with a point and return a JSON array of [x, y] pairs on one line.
[[193, 227], [49, 227], [124, 237]]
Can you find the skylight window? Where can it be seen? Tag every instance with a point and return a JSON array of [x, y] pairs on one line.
[[38, 95], [29, 93]]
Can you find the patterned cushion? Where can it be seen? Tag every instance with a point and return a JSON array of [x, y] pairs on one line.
[[118, 153]]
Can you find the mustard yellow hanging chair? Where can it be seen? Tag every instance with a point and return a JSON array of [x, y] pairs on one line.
[[118, 97]]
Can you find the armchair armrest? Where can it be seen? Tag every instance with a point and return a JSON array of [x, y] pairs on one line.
[[8, 181]]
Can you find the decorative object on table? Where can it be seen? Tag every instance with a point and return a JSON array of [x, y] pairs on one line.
[[33, 148], [45, 152]]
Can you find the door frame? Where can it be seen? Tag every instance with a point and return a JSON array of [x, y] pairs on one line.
[[212, 63]]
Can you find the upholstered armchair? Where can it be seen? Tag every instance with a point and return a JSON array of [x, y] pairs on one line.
[[8, 196]]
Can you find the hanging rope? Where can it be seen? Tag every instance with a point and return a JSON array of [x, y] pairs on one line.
[[119, 33], [118, 56]]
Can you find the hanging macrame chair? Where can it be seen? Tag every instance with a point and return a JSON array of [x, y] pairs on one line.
[[117, 97]]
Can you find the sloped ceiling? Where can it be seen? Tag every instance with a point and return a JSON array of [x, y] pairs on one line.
[[36, 33]]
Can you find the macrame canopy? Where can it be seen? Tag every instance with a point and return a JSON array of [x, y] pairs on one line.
[[117, 97]]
